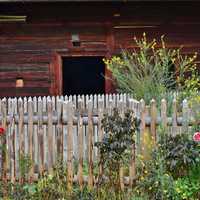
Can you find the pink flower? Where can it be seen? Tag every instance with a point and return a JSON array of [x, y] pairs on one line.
[[2, 131], [196, 137]]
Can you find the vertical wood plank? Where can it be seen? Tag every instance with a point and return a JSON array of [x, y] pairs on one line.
[[50, 135], [59, 129], [8, 136], [64, 119], [164, 113], [142, 125], [90, 145], [20, 126], [75, 132], [100, 130], [106, 100], [80, 143], [95, 127], [69, 144], [174, 117], [86, 130], [16, 139], [35, 136], [40, 137], [110, 106], [185, 111], [114, 100], [12, 140], [153, 112], [45, 136], [4, 142], [117, 100], [54, 152], [26, 145], [30, 134]]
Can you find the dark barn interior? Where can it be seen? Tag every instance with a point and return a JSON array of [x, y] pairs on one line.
[[89, 73], [32, 51]]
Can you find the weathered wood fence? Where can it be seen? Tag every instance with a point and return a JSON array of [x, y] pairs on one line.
[[48, 128]]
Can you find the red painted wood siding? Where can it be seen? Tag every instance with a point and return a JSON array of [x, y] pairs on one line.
[[33, 50]]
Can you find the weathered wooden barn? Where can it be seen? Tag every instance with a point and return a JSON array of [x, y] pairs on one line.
[[50, 48]]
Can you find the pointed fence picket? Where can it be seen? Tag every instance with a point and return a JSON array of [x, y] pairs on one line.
[[66, 128]]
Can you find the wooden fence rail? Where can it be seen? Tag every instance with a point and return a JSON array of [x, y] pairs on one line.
[[48, 128]]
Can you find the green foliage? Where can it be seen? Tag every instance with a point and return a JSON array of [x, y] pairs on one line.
[[17, 191], [53, 186], [119, 136], [115, 149], [150, 71], [153, 179], [25, 164], [180, 153], [188, 187], [84, 194], [173, 164]]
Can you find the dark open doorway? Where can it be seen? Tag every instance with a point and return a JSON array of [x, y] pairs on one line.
[[83, 75]]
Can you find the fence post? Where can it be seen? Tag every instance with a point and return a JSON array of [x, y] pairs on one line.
[[153, 112], [142, 125], [70, 115], [4, 142], [90, 145], [26, 145], [100, 130], [35, 136], [30, 134], [12, 139], [185, 116], [16, 140], [80, 143], [50, 134], [59, 129], [21, 122], [174, 117], [164, 113], [40, 137]]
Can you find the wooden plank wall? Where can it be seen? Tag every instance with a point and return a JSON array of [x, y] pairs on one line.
[[27, 50]]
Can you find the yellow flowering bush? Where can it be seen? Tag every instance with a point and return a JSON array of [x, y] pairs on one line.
[[152, 70]]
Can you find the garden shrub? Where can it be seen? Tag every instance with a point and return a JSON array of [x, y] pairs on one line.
[[53, 186], [153, 179], [154, 72], [115, 149], [188, 187], [180, 153], [172, 167]]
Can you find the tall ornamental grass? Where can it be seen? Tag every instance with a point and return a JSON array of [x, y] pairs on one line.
[[152, 70]]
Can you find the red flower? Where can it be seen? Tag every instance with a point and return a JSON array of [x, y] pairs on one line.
[[2, 131], [196, 137]]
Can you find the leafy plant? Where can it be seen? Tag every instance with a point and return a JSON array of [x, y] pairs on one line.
[[53, 186], [25, 164], [189, 187], [150, 72], [153, 180], [180, 153], [115, 148]]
